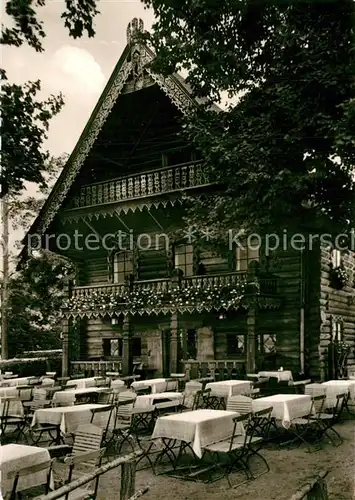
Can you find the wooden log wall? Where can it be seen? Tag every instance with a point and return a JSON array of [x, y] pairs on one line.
[[313, 362], [337, 303], [285, 322]]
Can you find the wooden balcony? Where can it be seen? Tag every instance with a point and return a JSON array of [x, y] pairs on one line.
[[208, 292], [151, 183]]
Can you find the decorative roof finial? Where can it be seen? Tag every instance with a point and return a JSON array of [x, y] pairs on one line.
[[134, 28]]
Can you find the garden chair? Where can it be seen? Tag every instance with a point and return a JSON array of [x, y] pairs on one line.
[[235, 450], [28, 471], [325, 421], [239, 404], [7, 420], [189, 395], [80, 464], [87, 438], [39, 402], [304, 427], [105, 419]]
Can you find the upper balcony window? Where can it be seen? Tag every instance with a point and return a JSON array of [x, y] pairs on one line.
[[122, 266], [184, 259], [246, 253]]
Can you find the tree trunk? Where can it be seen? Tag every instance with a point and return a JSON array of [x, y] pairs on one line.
[[5, 275]]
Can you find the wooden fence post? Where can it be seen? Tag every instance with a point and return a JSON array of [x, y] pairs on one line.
[[128, 480]]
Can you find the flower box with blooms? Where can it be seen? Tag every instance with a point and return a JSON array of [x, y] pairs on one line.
[[338, 277]]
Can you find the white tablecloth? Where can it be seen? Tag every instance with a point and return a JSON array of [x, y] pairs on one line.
[[71, 394], [229, 387], [150, 399], [285, 375], [15, 408], [12, 382], [81, 383], [200, 427], [68, 417], [335, 387], [8, 392], [157, 384], [14, 457], [286, 407]]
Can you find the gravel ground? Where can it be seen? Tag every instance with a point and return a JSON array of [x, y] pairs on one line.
[[290, 469]]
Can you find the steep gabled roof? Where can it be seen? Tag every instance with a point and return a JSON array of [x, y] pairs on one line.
[[174, 87]]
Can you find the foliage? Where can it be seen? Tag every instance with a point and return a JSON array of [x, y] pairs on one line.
[[28, 367], [209, 297], [338, 277], [35, 297], [24, 126], [23, 210], [78, 18], [291, 66]]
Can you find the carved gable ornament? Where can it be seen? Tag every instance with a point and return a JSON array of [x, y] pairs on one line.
[[134, 69]]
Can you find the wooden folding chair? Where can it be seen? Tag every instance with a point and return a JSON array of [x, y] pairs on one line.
[[28, 471]]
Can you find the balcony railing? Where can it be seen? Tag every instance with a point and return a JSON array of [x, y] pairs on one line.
[[209, 291], [145, 184], [218, 369]]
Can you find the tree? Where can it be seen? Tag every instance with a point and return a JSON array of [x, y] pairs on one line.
[[24, 126], [78, 18], [284, 154], [36, 294]]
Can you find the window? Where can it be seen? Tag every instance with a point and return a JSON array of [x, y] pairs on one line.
[[122, 266], [267, 343], [184, 259], [235, 344], [248, 251], [336, 258], [112, 348], [337, 329]]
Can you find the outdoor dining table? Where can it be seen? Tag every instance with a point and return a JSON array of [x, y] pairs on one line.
[[281, 375], [156, 384], [226, 388], [335, 387], [8, 392], [82, 383], [75, 393], [286, 407], [197, 428], [67, 417], [14, 457], [151, 399], [13, 382]]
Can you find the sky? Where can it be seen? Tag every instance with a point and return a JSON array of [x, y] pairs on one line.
[[77, 68]]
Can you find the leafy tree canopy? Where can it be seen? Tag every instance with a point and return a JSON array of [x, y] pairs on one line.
[[284, 154], [78, 18], [24, 126], [36, 295]]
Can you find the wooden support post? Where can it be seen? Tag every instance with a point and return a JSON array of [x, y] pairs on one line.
[[65, 347], [128, 480], [251, 325], [127, 359], [173, 343]]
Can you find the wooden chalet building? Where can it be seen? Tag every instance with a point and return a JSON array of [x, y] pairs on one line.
[[127, 175]]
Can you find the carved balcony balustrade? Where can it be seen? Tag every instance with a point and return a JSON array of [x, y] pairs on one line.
[[141, 185], [195, 293]]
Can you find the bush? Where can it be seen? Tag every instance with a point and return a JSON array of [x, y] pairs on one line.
[[27, 367]]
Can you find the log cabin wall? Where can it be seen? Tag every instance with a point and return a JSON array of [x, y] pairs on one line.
[[337, 305], [285, 322], [313, 363]]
